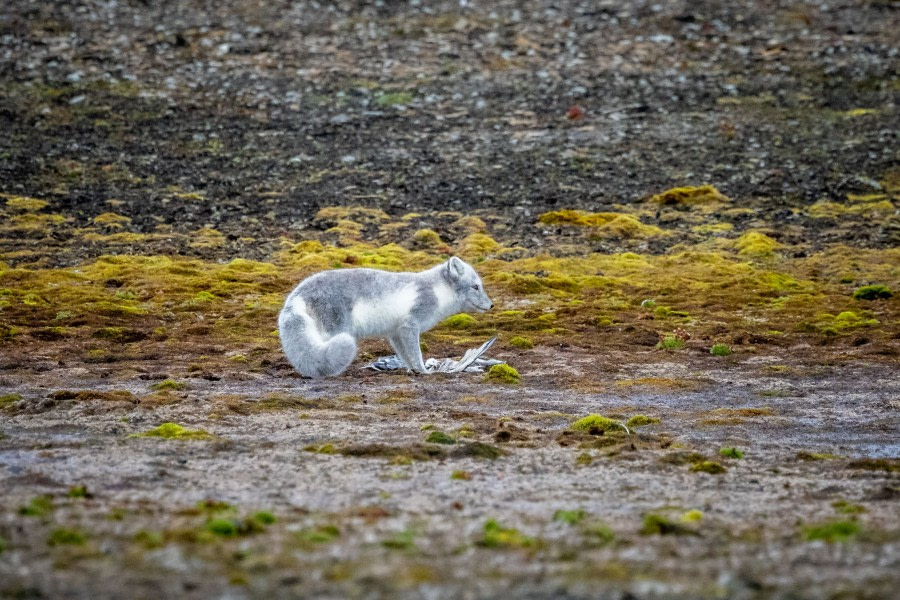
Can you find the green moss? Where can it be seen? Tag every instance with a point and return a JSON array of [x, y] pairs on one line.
[[174, 431], [460, 321], [670, 343], [584, 459], [320, 449], [754, 244], [403, 540], [119, 334], [832, 532], [439, 437], [708, 466], [9, 399], [321, 534], [640, 421], [495, 536], [67, 537], [655, 524], [571, 517], [393, 98], [872, 292], [598, 534], [596, 425], [813, 456], [848, 508], [731, 453], [478, 450], [201, 297], [521, 342], [691, 516], [39, 506], [222, 527], [427, 238], [79, 491], [502, 373], [720, 350], [690, 196], [461, 475], [149, 539], [168, 384]]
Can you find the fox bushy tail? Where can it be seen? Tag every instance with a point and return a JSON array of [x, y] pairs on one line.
[[307, 352]]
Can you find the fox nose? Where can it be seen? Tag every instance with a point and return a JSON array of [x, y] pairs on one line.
[[492, 306]]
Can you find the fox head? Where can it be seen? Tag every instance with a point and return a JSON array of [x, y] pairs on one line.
[[467, 285]]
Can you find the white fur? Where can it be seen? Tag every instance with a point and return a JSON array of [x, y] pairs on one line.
[[445, 296], [298, 307], [385, 314]]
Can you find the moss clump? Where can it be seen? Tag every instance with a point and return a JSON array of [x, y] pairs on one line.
[[708, 466], [720, 350], [79, 491], [640, 421], [831, 532], [691, 516], [476, 245], [627, 227], [174, 431], [110, 220], [754, 244], [502, 373], [689, 196], [833, 325], [570, 517], [8, 399], [393, 98], [521, 342], [576, 217], [495, 536], [655, 524], [427, 238], [478, 450], [439, 437], [321, 534], [731, 453], [320, 448], [39, 506], [23, 203], [670, 342], [873, 292], [597, 425], [460, 321], [598, 533], [222, 527], [168, 384], [848, 508], [402, 540], [460, 475], [149, 539], [813, 456], [70, 537]]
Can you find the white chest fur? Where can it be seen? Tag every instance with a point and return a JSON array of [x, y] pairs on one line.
[[384, 314]]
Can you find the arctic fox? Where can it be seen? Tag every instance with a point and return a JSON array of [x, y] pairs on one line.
[[327, 312]]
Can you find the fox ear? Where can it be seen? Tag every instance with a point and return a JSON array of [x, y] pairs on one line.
[[455, 268]]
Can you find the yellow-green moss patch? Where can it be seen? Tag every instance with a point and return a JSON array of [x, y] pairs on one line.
[[690, 196], [502, 373], [174, 431], [596, 424]]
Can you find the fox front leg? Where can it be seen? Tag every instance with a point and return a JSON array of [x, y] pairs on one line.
[[406, 344]]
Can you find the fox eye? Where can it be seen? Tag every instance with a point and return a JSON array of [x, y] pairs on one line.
[[475, 287]]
